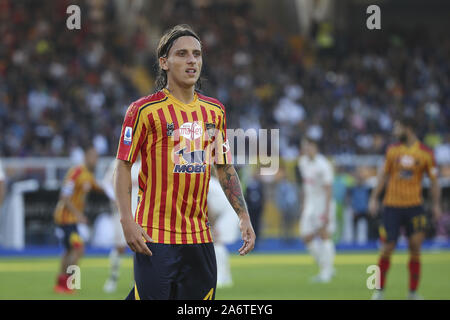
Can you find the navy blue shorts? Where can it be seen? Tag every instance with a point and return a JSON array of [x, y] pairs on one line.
[[69, 236], [412, 219], [175, 272]]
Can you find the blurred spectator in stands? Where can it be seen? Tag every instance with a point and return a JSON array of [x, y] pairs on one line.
[[52, 93], [442, 151], [287, 201], [254, 196], [340, 184], [2, 185], [359, 195]]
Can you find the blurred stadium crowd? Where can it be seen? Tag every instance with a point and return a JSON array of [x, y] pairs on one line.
[[60, 87]]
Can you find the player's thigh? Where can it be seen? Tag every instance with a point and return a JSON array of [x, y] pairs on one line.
[[307, 225], [154, 275], [71, 238], [198, 274], [390, 224], [331, 226], [415, 221]]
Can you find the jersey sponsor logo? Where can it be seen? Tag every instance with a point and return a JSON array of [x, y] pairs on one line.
[[190, 159], [407, 161], [191, 130], [189, 168], [197, 156], [127, 135], [193, 161]]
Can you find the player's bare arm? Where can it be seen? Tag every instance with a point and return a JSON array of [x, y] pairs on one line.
[[69, 205], [436, 199], [134, 234], [229, 180], [376, 192]]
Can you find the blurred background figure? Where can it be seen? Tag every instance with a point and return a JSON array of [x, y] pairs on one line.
[[359, 199], [2, 185], [287, 201], [225, 225], [254, 196], [318, 217], [69, 213], [120, 244]]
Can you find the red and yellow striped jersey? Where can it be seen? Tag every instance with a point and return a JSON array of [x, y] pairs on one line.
[[405, 167], [77, 184], [178, 142]]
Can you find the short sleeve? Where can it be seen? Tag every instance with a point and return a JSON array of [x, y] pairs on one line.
[[132, 135]]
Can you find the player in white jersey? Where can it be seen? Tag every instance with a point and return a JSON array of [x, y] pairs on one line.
[[225, 225], [318, 221], [120, 243]]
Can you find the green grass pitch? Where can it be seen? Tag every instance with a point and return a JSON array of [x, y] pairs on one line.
[[256, 276]]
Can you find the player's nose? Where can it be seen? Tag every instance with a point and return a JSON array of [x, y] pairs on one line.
[[191, 59]]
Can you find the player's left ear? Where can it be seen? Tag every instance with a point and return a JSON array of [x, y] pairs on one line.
[[163, 63]]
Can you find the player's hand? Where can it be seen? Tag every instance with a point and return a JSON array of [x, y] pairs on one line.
[[136, 236], [437, 212], [247, 234], [215, 234], [82, 219], [373, 207]]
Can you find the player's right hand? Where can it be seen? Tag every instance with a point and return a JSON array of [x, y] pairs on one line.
[[373, 207], [82, 219], [135, 236]]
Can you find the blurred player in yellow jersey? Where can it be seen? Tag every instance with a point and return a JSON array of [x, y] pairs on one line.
[[70, 211], [405, 164]]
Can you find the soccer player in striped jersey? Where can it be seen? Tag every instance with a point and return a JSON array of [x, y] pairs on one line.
[[179, 134], [70, 211], [405, 164]]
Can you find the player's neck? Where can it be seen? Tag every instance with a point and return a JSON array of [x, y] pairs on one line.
[[185, 95], [411, 140]]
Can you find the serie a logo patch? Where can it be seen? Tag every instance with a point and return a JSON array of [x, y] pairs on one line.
[[127, 136]]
